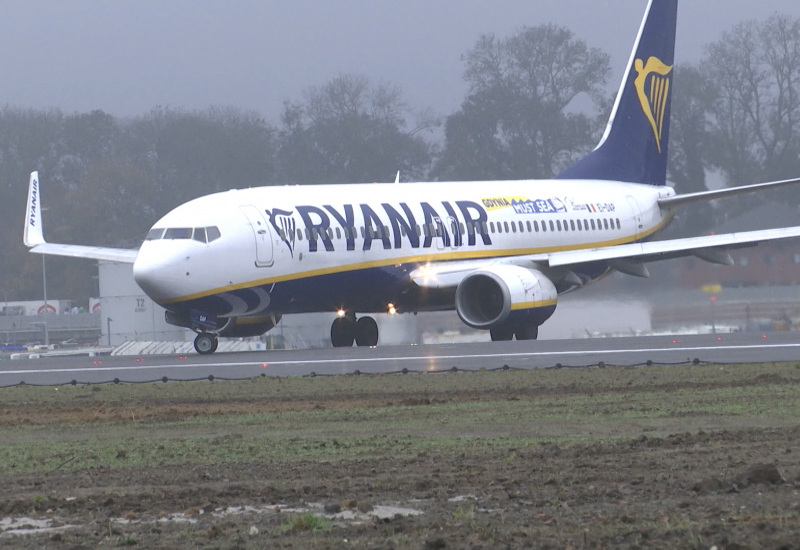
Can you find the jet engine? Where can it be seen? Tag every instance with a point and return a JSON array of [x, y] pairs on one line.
[[505, 294]]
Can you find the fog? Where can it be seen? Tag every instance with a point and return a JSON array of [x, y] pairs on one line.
[[126, 57]]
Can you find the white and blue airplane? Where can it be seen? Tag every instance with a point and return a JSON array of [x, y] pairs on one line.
[[498, 252]]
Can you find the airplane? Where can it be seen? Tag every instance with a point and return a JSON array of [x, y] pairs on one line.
[[499, 253]]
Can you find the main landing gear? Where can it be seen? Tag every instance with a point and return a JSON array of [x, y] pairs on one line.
[[507, 332], [347, 329], [206, 343]]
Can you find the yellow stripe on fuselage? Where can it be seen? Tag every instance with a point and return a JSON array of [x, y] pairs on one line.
[[430, 257]]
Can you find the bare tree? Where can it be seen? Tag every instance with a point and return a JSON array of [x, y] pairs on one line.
[[521, 118], [349, 130], [755, 68]]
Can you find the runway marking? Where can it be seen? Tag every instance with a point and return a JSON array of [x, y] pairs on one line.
[[267, 364]]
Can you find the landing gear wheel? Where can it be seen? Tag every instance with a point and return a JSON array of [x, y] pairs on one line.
[[366, 332], [343, 332], [502, 333], [205, 343], [527, 332]]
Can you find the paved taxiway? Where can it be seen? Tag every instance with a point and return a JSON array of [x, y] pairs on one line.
[[728, 348]]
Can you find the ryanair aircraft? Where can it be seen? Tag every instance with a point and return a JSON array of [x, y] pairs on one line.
[[498, 252]]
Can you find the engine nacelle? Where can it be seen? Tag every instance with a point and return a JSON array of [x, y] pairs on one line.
[[505, 293]]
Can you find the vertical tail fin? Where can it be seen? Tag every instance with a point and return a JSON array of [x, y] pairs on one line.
[[635, 144]]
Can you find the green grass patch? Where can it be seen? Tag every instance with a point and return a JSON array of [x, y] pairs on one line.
[[401, 415]]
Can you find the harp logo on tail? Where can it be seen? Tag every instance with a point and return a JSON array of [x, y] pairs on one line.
[[652, 86]]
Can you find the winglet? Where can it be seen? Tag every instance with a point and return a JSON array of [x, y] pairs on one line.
[[33, 235], [397, 179]]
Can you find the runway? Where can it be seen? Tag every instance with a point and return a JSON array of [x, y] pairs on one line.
[[629, 351]]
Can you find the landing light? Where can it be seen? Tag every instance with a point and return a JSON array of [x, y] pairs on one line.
[[391, 309], [340, 313]]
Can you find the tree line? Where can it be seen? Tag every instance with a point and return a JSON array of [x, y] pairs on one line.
[[537, 100]]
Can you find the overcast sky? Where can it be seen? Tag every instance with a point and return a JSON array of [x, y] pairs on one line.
[[128, 56]]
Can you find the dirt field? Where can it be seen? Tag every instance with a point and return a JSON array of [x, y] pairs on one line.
[[655, 457]]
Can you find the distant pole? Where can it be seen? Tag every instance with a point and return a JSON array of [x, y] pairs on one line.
[[8, 339], [44, 284], [108, 325], [713, 300]]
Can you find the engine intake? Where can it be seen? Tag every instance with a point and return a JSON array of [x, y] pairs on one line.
[[490, 297]]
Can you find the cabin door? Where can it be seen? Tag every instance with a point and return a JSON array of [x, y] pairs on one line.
[[262, 234]]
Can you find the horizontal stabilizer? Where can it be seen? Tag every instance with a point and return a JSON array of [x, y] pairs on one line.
[[680, 200]]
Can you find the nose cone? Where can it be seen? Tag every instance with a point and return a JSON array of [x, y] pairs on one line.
[[156, 274]]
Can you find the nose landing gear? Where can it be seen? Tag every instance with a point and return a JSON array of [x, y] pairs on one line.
[[206, 343], [347, 329]]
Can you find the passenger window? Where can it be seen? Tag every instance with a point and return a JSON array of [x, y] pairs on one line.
[[363, 233], [485, 227], [199, 234], [528, 223], [605, 224], [154, 234], [491, 226], [505, 225], [544, 226], [338, 234], [618, 225], [552, 226], [535, 226], [558, 224], [178, 233], [513, 227], [403, 230], [418, 230], [593, 226], [461, 228], [572, 224]]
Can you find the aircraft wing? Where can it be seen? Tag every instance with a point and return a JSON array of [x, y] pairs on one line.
[[33, 237], [707, 246], [121, 255], [713, 248]]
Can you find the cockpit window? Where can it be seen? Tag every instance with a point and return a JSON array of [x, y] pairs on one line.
[[212, 233], [155, 234], [178, 233], [199, 234]]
